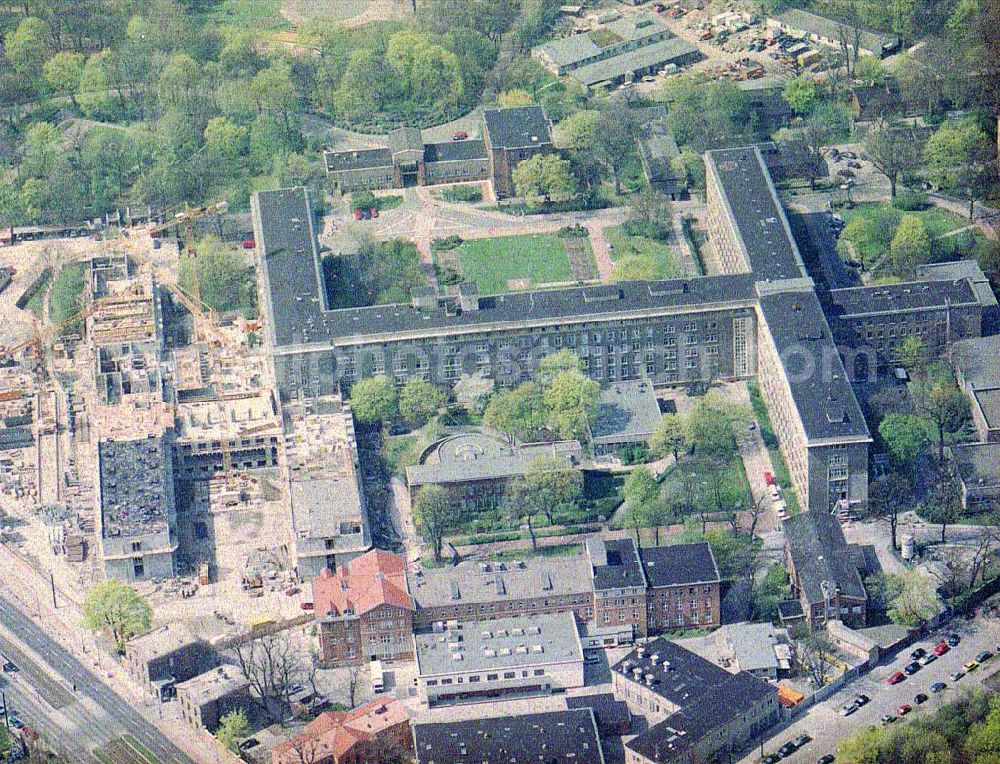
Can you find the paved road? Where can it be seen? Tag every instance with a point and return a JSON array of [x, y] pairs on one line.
[[74, 723], [827, 727]]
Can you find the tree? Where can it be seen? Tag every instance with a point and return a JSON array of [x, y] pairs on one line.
[[119, 609], [419, 401], [641, 493], [433, 513], [808, 141], [179, 84], [273, 91], [710, 425], [233, 727], [815, 653], [871, 71], [651, 206], [515, 97], [670, 436], [887, 497], [63, 73], [705, 113], [914, 354], [95, 81], [892, 150], [544, 178], [944, 505], [27, 47], [912, 597], [939, 399], [272, 665], [614, 140], [517, 413], [550, 366], [801, 95], [225, 139], [904, 436], [571, 403], [225, 282], [984, 736], [911, 246], [553, 484], [770, 592], [374, 400], [960, 157]]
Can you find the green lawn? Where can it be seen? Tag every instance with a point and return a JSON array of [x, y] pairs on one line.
[[701, 475], [66, 292], [937, 221], [328, 10], [668, 266], [252, 15], [535, 258], [781, 473], [555, 550]]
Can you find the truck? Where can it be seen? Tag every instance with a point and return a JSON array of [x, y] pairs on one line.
[[378, 677]]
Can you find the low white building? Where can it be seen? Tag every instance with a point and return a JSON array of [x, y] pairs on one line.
[[479, 661]]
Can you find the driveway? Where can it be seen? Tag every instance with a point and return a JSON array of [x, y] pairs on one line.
[[827, 727]]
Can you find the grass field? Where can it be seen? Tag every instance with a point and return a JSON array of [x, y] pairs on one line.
[[327, 10], [668, 266], [535, 259], [256, 15], [781, 473], [936, 220]]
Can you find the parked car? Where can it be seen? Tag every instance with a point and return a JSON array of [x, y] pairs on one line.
[[956, 675], [903, 709], [854, 164], [801, 740], [659, 7], [920, 698], [862, 699], [911, 668], [848, 155], [14, 720], [704, 36], [941, 649], [772, 758], [9, 667], [929, 658], [917, 654], [938, 687], [896, 678], [849, 709], [827, 759], [786, 750], [358, 214], [845, 173], [953, 640], [373, 212], [250, 742], [459, 135], [984, 656], [888, 719], [769, 478], [971, 665]]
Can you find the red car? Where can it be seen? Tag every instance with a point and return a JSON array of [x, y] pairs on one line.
[[358, 215], [896, 678], [249, 244], [769, 478], [460, 135], [373, 212], [941, 649], [904, 709]]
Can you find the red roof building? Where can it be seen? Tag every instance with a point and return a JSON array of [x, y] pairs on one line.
[[366, 735], [365, 610]]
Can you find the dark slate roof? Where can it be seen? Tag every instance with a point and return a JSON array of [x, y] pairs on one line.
[[679, 564], [554, 737], [621, 566], [682, 730], [760, 219], [820, 553], [516, 128], [897, 298], [608, 711], [813, 368], [286, 241], [790, 609], [679, 675], [363, 159], [405, 139], [455, 151]]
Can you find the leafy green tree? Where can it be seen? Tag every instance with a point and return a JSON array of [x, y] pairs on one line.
[[576, 135], [514, 97], [267, 140], [770, 592], [94, 95], [638, 266], [801, 94], [570, 403], [554, 364], [428, 73], [118, 609], [273, 91], [944, 504], [641, 494], [27, 46], [614, 140], [689, 166], [938, 398], [225, 282], [914, 354], [553, 484], [912, 597], [704, 113], [669, 437], [984, 736], [434, 514], [544, 178], [63, 73], [517, 413], [871, 71], [911, 246], [225, 139], [42, 144], [710, 425], [961, 157], [419, 401], [179, 84], [374, 399], [904, 436], [233, 727]]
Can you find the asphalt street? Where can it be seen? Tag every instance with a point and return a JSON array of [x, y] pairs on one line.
[[825, 724], [74, 723]]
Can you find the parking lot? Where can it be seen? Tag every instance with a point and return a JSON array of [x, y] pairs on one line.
[[826, 726]]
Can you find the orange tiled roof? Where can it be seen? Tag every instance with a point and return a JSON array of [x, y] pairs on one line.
[[376, 578]]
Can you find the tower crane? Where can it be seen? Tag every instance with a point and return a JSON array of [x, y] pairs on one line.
[[184, 221]]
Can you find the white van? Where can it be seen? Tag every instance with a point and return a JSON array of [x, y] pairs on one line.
[[378, 677]]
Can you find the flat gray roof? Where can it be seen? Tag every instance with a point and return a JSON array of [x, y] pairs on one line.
[[659, 53], [499, 643], [213, 684], [978, 360], [628, 411], [831, 29], [752, 645], [472, 583], [978, 464]]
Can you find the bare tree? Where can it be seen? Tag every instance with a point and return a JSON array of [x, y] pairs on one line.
[[272, 665], [354, 677], [814, 650], [891, 150], [307, 750], [987, 542]]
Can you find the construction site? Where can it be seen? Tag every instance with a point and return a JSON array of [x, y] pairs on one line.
[[142, 439]]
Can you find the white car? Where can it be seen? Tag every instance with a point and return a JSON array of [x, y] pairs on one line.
[[775, 493]]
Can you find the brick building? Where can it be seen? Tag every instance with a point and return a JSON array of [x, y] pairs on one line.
[[682, 587], [364, 610]]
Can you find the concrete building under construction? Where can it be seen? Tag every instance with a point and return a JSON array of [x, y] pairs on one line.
[[329, 512]]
